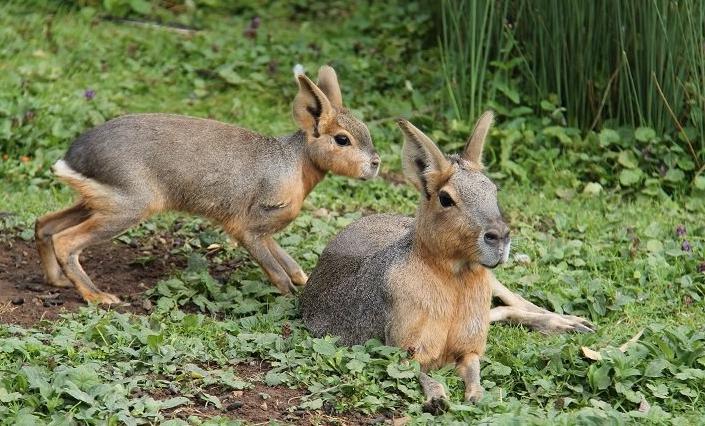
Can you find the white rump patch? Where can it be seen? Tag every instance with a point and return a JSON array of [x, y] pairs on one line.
[[80, 182], [63, 170]]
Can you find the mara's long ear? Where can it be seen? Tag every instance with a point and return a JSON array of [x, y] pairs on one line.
[[423, 163], [312, 109], [328, 83], [473, 147]]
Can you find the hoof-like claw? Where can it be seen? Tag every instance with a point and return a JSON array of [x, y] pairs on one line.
[[299, 278], [287, 289], [474, 395], [103, 298], [557, 323], [436, 405], [60, 282]]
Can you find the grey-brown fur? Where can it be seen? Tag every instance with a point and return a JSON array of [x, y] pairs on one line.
[[346, 294], [421, 284], [199, 166], [253, 185]]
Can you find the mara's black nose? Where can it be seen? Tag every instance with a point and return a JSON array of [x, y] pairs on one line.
[[375, 160]]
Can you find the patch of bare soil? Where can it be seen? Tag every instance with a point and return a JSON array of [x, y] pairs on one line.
[[119, 269], [262, 404], [115, 267]]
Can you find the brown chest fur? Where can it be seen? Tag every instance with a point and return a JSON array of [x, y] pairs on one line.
[[439, 318]]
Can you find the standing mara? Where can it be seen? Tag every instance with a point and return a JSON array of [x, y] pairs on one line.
[[253, 185]]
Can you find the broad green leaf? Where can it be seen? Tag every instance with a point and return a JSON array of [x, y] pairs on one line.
[[644, 134], [627, 159], [142, 7], [654, 246], [212, 399], [314, 404], [674, 175], [174, 402], [274, 378], [608, 137], [36, 380], [397, 371], [324, 347], [599, 376], [629, 177], [592, 188], [699, 182]]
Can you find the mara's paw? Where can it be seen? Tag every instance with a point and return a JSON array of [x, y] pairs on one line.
[[60, 281], [102, 298], [556, 323], [474, 395], [286, 287], [299, 278], [436, 405]]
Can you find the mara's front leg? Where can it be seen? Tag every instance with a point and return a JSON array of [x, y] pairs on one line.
[[297, 275], [469, 370], [257, 246], [520, 311], [436, 398]]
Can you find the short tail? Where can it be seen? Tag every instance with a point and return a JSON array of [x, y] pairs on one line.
[[94, 193], [298, 70]]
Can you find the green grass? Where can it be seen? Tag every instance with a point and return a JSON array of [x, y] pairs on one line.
[[613, 256], [594, 65]]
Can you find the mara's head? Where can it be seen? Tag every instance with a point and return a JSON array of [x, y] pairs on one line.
[[336, 140], [459, 216]]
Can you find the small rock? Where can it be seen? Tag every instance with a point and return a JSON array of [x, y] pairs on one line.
[[237, 393], [17, 301], [48, 303], [401, 421], [235, 405], [522, 258], [147, 305], [592, 188], [264, 406], [321, 213]]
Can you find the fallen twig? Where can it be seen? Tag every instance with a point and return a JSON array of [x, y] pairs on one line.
[[173, 27]]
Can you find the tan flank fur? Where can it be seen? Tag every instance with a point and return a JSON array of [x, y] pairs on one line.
[[424, 283], [253, 185]]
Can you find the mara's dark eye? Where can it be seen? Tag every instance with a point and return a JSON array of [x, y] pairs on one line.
[[342, 140], [445, 199]]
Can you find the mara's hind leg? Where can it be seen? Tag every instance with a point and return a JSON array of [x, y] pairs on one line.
[[48, 225], [69, 243]]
